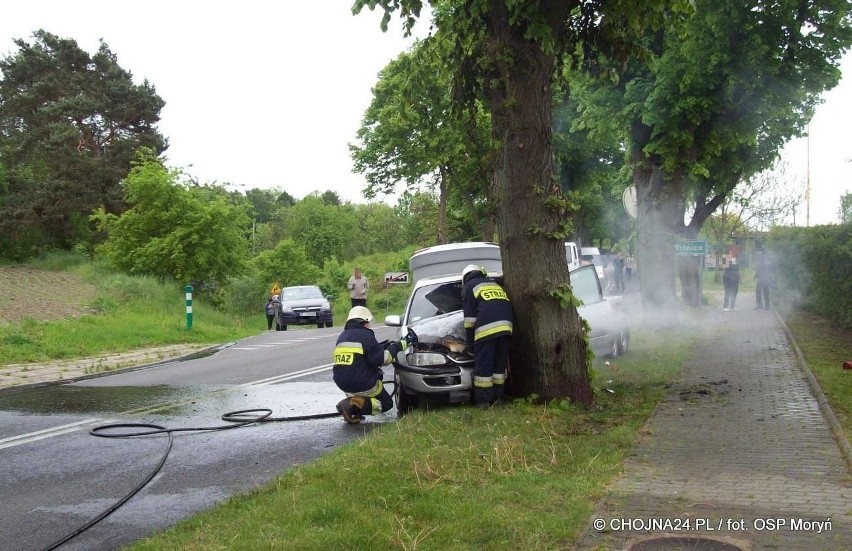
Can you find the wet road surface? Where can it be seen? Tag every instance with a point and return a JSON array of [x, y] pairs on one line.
[[56, 477]]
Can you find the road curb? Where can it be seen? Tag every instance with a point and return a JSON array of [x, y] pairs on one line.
[[73, 379], [824, 406]]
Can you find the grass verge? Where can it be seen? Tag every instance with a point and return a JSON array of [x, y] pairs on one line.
[[522, 476]]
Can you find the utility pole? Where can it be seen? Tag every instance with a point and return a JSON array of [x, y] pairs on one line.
[[808, 182]]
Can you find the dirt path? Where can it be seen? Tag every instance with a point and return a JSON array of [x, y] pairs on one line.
[[43, 295]]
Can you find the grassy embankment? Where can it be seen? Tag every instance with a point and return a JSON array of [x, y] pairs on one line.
[[106, 312]]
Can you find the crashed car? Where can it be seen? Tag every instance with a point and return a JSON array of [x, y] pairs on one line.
[[440, 363]]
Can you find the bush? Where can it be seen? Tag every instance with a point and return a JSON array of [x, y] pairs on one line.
[[814, 269]]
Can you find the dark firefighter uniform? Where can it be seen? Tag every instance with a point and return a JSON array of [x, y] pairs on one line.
[[358, 358], [488, 323]]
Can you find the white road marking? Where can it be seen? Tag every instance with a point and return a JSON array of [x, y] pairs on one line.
[[80, 425], [47, 433]]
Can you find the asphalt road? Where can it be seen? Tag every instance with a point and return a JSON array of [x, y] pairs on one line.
[[56, 477]]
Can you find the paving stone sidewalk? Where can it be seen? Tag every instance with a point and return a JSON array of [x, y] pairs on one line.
[[739, 449]]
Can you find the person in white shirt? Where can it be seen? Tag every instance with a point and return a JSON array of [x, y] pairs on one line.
[[358, 286]]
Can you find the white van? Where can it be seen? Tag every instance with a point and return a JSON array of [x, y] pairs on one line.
[[572, 256], [592, 255]]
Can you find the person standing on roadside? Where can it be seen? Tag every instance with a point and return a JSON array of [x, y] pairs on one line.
[[273, 306], [488, 321], [731, 283], [358, 286], [629, 264], [765, 277], [618, 272]]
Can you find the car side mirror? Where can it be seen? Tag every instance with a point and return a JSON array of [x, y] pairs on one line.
[[393, 320]]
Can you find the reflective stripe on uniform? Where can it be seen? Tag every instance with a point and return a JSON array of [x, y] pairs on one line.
[[483, 382], [489, 291], [469, 323], [344, 352], [489, 329], [499, 378], [372, 393], [388, 358]]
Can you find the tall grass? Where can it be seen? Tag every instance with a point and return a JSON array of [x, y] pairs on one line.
[[129, 312]]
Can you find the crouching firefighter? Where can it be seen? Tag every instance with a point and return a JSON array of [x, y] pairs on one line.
[[488, 323], [358, 361]]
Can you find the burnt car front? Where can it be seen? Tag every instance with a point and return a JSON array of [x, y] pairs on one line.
[[438, 364]]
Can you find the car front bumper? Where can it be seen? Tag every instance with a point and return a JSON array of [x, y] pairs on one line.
[[301, 319]]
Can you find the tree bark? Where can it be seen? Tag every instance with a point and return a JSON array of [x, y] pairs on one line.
[[548, 356], [657, 208], [443, 199]]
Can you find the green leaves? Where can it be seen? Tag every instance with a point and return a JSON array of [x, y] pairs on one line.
[[175, 230], [70, 124]]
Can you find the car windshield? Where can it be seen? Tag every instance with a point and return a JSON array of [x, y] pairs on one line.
[[433, 300], [300, 293]]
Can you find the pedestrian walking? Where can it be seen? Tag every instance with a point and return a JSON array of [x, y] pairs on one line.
[[273, 306], [618, 272]]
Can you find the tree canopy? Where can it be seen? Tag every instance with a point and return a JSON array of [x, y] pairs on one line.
[[174, 229], [70, 124], [413, 133], [708, 104]]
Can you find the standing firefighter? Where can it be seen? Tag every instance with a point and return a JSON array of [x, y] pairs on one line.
[[488, 323], [358, 361]]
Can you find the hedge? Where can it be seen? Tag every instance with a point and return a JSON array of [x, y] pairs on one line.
[[814, 268]]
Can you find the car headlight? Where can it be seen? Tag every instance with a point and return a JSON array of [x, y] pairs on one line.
[[424, 359], [286, 310]]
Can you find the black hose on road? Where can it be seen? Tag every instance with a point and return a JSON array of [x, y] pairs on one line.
[[236, 419]]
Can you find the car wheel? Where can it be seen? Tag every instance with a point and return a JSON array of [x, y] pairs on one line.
[[405, 400], [282, 327], [329, 323], [622, 341], [319, 325]]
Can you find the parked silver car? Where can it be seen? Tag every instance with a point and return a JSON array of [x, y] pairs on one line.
[[440, 364]]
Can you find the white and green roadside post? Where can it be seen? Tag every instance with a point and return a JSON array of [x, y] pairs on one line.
[[188, 290]]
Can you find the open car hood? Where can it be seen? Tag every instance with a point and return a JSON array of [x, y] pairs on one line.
[[446, 331]]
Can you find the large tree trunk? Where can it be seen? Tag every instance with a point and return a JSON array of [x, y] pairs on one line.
[[658, 205], [689, 271], [690, 289], [548, 349]]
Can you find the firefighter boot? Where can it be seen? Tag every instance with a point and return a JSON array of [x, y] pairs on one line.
[[350, 409], [483, 397]]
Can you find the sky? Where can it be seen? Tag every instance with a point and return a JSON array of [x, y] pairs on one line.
[[264, 94]]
